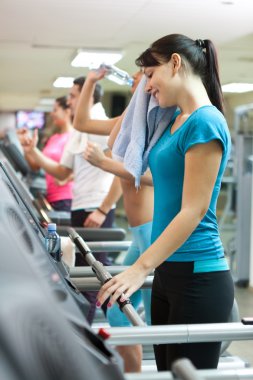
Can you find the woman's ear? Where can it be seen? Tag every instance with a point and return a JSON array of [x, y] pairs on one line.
[[176, 62]]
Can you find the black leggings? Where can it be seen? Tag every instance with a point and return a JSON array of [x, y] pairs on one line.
[[180, 296], [63, 205], [77, 219]]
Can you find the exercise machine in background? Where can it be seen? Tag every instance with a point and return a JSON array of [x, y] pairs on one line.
[[239, 246]]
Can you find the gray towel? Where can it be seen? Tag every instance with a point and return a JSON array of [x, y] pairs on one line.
[[143, 124]]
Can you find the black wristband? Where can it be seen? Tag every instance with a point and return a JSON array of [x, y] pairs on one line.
[[102, 212]]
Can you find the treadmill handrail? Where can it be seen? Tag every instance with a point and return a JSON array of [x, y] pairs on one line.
[[95, 234], [103, 276], [192, 333]]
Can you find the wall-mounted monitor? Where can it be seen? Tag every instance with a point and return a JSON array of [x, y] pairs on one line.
[[30, 119]]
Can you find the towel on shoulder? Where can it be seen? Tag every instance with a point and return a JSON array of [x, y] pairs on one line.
[[143, 124]]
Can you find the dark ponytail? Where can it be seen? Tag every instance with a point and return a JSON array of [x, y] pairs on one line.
[[212, 79]]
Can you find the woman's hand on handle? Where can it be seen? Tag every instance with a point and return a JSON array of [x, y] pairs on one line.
[[123, 285]]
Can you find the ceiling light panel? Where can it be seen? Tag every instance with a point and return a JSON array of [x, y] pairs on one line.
[[237, 87], [94, 58], [63, 82]]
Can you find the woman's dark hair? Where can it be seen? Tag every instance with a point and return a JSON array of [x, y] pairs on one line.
[[63, 102], [98, 92], [200, 55]]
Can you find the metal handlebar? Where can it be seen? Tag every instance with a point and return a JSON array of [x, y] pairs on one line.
[[109, 246], [93, 283], [209, 374], [168, 334], [185, 370], [88, 272], [103, 276]]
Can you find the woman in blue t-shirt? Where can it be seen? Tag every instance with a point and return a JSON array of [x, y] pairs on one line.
[[192, 282]]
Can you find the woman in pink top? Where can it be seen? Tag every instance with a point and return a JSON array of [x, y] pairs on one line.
[[59, 193]]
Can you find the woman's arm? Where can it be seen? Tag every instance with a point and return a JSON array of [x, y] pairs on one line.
[[32, 163], [96, 157], [115, 130], [28, 142], [82, 121], [202, 164], [50, 166], [36, 158], [63, 182]]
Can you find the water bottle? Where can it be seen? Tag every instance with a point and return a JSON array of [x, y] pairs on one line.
[[116, 75], [53, 242]]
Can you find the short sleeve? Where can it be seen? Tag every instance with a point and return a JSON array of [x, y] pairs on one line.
[[67, 159], [203, 129], [75, 145]]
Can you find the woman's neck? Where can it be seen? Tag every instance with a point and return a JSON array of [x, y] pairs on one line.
[[66, 127], [193, 96]]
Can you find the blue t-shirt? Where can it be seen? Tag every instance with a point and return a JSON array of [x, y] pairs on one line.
[[167, 164]]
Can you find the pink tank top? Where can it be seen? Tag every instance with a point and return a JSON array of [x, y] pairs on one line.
[[54, 149]]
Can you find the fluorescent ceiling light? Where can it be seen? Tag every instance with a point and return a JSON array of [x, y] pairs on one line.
[[43, 108], [45, 104], [94, 58], [228, 2], [237, 87], [64, 82], [46, 101]]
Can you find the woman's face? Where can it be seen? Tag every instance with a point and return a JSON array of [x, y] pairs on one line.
[[160, 83], [58, 115]]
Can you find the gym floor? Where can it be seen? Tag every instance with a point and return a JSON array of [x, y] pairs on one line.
[[244, 298]]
